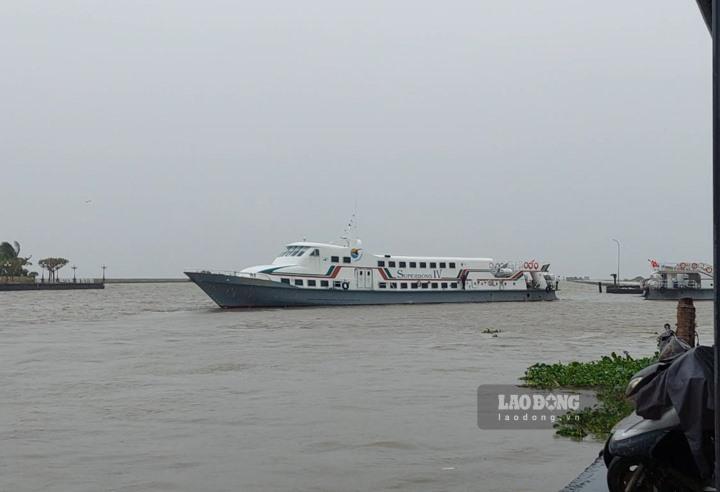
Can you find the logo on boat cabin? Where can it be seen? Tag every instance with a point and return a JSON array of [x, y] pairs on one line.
[[682, 267], [687, 266], [356, 254]]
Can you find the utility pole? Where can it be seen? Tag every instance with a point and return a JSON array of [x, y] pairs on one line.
[[710, 10], [716, 227], [103, 269]]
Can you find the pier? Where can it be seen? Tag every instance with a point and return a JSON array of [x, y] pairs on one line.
[[10, 284], [623, 289]]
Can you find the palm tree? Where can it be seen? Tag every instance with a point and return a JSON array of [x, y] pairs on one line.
[[8, 250], [11, 263]]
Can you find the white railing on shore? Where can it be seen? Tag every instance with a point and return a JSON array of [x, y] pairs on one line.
[[71, 281], [30, 280]]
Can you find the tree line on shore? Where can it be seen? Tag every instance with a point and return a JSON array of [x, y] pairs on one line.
[[12, 264]]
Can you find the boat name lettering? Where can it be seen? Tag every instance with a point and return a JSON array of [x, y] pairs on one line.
[[435, 274]]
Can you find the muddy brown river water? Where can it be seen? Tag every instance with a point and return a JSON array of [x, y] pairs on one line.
[[151, 388]]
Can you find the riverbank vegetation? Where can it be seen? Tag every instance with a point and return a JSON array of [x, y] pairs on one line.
[[13, 266], [608, 377]]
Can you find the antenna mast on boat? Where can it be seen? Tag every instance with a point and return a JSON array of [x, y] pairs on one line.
[[351, 229]]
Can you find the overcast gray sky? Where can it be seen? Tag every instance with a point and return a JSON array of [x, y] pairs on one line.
[[208, 134]]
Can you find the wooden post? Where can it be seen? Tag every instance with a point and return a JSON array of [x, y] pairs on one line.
[[685, 328], [600, 287]]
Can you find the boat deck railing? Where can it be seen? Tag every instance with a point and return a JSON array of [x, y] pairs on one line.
[[234, 273], [690, 284]]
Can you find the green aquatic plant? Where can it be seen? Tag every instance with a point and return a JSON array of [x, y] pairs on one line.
[[608, 377]]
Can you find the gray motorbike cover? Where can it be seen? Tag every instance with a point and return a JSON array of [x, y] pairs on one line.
[[687, 385]]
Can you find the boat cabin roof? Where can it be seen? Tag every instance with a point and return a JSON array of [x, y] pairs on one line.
[[317, 245], [433, 258], [330, 246]]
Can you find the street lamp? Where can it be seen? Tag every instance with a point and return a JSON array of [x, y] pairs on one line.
[[617, 279], [74, 268], [103, 269]]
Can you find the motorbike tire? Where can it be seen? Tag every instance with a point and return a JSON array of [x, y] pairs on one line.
[[622, 470], [606, 456]]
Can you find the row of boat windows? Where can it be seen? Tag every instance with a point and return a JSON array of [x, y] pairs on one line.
[[382, 285], [414, 264], [418, 285], [310, 283], [301, 250]]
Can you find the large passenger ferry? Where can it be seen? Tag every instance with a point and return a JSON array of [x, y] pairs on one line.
[[326, 274]]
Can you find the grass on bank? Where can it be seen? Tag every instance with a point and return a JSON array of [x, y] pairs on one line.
[[608, 377]]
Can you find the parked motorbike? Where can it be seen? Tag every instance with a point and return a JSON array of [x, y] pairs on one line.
[[644, 454]]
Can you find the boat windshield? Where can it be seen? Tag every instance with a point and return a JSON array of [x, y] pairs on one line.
[[294, 251]]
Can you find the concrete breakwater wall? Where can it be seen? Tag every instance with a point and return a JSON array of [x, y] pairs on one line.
[[145, 280]]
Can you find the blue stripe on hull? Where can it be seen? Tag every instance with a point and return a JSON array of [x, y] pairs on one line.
[[241, 292]]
